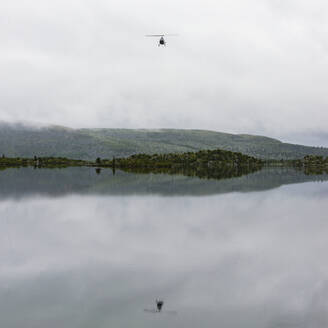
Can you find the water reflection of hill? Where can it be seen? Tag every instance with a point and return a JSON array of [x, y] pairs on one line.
[[55, 182]]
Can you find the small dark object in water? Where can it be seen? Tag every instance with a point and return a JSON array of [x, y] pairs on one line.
[[158, 309], [159, 304]]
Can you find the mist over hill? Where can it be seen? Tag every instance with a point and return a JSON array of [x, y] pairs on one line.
[[27, 140]]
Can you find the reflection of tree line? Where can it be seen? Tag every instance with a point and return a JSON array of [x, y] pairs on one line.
[[39, 162], [84, 180], [216, 164], [312, 165], [204, 173]]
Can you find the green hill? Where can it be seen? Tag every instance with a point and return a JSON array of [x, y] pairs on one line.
[[25, 141]]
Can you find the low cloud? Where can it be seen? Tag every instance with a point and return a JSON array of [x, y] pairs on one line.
[[237, 66]]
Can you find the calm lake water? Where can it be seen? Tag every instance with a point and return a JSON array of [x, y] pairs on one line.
[[80, 249]]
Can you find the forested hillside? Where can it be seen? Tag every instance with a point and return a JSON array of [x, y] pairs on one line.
[[26, 141]]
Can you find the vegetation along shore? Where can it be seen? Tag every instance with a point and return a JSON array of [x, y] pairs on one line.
[[204, 163]]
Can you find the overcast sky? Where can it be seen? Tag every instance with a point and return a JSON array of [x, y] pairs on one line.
[[240, 66]]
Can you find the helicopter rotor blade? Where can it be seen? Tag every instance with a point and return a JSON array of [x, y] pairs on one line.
[[159, 35], [169, 312]]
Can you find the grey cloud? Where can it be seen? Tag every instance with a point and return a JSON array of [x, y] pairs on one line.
[[237, 66]]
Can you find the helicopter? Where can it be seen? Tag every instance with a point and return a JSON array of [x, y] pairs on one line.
[[161, 41]]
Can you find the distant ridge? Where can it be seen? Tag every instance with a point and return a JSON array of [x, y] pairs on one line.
[[27, 140]]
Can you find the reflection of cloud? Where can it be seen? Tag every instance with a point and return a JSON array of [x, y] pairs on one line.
[[245, 260]]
